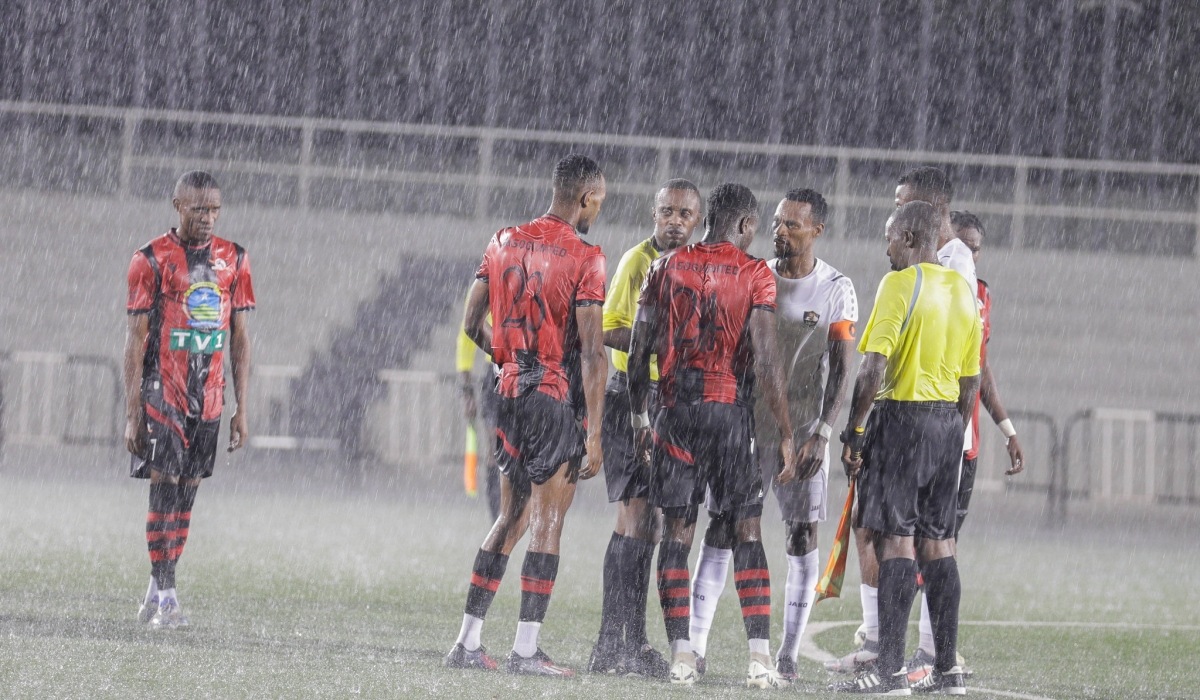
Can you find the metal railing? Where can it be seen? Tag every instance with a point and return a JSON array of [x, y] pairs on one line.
[[59, 399], [487, 160]]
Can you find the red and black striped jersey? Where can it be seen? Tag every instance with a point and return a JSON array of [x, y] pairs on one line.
[[699, 299], [985, 313], [190, 293], [537, 274]]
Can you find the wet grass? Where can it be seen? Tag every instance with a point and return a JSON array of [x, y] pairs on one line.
[[298, 594]]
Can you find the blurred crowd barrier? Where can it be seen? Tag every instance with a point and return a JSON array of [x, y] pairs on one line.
[[1031, 202], [1100, 454]]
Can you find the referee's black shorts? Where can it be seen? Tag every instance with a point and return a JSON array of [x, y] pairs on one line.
[[909, 481], [625, 475]]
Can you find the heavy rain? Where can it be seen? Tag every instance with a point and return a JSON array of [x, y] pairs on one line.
[[334, 472]]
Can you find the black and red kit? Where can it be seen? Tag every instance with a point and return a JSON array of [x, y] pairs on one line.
[[537, 275], [699, 300], [190, 293]]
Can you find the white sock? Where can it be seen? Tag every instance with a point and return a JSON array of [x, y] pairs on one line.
[[870, 605], [468, 636], [526, 642], [167, 594], [712, 568], [680, 646], [926, 627], [151, 592], [799, 593], [760, 646]]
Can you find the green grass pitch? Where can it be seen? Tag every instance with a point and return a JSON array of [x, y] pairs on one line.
[[307, 592]]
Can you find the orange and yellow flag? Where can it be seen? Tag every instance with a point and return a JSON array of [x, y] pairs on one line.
[[830, 585]]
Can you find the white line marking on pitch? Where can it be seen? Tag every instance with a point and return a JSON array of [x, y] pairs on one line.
[[810, 650]]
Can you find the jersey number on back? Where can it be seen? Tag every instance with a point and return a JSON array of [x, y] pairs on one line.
[[527, 311], [686, 305]]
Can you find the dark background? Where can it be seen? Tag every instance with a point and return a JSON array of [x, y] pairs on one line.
[[1087, 79]]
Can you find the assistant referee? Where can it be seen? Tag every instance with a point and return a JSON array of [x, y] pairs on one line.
[[920, 371]]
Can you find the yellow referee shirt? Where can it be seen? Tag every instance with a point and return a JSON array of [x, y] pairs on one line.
[[620, 305], [465, 355], [926, 324]]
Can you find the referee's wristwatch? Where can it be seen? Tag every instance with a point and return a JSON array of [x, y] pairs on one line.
[[854, 437]]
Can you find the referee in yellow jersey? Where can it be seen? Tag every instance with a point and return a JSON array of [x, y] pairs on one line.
[[919, 380], [622, 645], [485, 406]]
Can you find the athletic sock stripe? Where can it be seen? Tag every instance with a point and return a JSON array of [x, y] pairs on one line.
[[756, 592], [676, 611], [490, 584], [157, 555], [174, 552], [155, 536], [751, 573], [536, 585], [682, 592], [752, 610], [153, 517], [673, 574]]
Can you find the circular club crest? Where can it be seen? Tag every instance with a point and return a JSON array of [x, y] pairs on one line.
[[203, 306]]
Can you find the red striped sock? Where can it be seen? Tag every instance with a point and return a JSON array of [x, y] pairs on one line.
[[674, 592], [537, 583], [753, 583], [485, 580]]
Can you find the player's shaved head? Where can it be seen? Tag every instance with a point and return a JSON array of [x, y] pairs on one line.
[[195, 180], [575, 174], [920, 219], [928, 184], [728, 204]]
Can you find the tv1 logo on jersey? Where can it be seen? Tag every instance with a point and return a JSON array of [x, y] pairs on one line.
[[197, 341]]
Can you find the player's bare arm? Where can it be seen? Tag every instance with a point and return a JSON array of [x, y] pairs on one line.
[[239, 360], [595, 372], [968, 390], [866, 386], [639, 378], [812, 452], [135, 346], [769, 369], [989, 396], [475, 319], [618, 338]]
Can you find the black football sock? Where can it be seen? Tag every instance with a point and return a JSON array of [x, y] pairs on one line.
[[897, 589], [611, 617], [185, 498], [944, 590], [485, 579], [537, 583], [753, 583], [639, 555], [160, 533], [673, 591]]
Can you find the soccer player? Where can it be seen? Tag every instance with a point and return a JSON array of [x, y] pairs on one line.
[[188, 294], [622, 646], [707, 313], [816, 309], [484, 407], [918, 380], [545, 289]]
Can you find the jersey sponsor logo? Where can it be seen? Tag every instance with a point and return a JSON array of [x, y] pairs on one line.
[[811, 318], [202, 303], [197, 341]]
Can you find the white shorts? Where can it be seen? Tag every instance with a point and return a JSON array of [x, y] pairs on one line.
[[799, 501]]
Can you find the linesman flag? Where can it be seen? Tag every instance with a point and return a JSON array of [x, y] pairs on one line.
[[835, 571], [470, 462]]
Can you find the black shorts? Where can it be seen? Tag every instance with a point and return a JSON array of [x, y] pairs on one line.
[[966, 483], [187, 456], [535, 435], [705, 446], [625, 475], [909, 481], [489, 400]]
